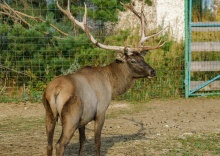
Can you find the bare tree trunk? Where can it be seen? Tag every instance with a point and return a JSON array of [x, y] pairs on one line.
[[216, 7]]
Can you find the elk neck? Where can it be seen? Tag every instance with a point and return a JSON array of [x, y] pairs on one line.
[[120, 77]]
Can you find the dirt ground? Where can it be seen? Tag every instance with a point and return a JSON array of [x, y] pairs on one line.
[[158, 127]]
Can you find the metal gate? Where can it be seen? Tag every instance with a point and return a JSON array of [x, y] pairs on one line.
[[202, 50]]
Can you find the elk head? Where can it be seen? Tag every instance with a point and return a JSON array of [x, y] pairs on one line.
[[133, 56], [138, 66]]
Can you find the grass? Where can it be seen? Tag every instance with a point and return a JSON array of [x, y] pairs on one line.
[[25, 134], [212, 36], [200, 144], [195, 144], [19, 124]]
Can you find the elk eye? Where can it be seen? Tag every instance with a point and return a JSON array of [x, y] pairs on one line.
[[133, 61]]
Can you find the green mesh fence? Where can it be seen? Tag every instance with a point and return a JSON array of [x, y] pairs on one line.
[[203, 50], [36, 48]]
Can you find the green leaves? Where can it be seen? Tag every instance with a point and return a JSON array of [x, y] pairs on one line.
[[4, 28]]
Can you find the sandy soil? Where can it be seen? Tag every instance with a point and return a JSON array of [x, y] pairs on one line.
[[152, 128]]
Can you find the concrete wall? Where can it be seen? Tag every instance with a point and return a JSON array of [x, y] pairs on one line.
[[127, 19], [162, 13], [171, 13]]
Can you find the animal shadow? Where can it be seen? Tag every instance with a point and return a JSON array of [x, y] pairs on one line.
[[107, 142]]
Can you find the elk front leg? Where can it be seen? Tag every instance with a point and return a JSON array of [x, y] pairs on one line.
[[82, 139], [99, 122]]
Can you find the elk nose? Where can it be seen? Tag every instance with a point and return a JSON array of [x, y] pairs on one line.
[[153, 72]]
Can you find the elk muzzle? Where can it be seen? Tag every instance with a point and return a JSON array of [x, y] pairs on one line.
[[152, 73]]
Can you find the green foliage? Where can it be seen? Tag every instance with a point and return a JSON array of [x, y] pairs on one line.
[[200, 14], [149, 2], [118, 38], [103, 10], [41, 56], [106, 10], [31, 57], [36, 55]]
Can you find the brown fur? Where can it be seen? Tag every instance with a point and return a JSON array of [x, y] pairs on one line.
[[84, 96]]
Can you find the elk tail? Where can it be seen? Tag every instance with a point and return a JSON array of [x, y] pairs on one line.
[[50, 105], [55, 104]]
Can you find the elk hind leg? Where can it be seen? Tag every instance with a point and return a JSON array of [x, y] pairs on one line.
[[82, 139], [67, 134], [70, 117], [50, 126]]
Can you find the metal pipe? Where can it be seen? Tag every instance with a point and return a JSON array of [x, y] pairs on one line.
[[186, 81]]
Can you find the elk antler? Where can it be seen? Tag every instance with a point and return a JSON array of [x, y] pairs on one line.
[[144, 37], [84, 27]]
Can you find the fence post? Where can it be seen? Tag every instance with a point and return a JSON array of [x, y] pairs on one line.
[[186, 81]]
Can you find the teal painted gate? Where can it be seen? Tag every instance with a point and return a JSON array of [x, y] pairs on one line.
[[202, 49]]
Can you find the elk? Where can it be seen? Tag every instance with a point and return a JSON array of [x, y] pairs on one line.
[[85, 95]]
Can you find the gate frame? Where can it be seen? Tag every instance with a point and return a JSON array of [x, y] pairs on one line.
[[188, 44]]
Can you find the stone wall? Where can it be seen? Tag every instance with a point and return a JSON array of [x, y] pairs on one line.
[[162, 13], [171, 13]]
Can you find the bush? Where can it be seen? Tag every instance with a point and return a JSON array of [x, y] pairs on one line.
[[31, 56]]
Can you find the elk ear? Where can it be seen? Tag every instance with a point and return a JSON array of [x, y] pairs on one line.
[[120, 57], [128, 53], [143, 53]]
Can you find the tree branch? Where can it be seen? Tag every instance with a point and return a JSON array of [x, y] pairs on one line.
[[1, 66], [17, 15]]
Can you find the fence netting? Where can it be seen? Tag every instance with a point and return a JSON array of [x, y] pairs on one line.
[[205, 48], [37, 43]]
